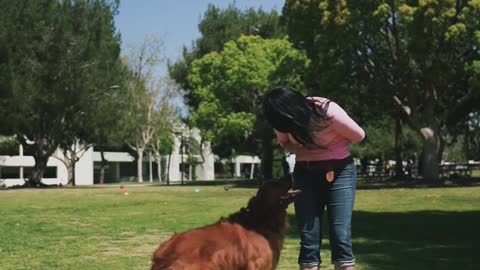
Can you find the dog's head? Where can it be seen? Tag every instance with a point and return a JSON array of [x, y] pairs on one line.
[[274, 194]]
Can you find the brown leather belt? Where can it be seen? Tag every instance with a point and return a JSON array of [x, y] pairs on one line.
[[327, 166], [324, 165]]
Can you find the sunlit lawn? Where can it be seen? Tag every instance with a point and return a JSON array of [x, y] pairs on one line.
[[100, 228]]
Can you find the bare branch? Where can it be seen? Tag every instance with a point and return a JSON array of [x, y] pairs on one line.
[[404, 108]]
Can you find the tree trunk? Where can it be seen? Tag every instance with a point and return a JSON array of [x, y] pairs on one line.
[[398, 149], [190, 172], [158, 159], [430, 170], [38, 170], [431, 142], [182, 164], [70, 165], [103, 164], [466, 141], [42, 152], [168, 169], [267, 153], [71, 159], [150, 169], [140, 165], [430, 160], [73, 162], [252, 170], [69, 170]]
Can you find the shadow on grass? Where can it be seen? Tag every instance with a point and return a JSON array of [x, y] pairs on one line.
[[255, 183], [363, 183], [412, 240], [231, 183]]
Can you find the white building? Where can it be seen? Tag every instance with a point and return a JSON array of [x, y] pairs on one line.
[[248, 163], [121, 166]]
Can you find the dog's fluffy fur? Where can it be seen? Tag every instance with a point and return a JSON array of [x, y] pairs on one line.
[[249, 239]]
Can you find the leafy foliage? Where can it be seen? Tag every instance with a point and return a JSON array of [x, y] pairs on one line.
[[425, 53], [380, 142], [229, 86], [57, 58], [217, 27], [8, 146]]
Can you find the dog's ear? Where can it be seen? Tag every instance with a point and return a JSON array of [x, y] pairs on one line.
[[289, 197], [252, 203]]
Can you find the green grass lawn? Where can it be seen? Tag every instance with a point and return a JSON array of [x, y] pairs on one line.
[[99, 228]]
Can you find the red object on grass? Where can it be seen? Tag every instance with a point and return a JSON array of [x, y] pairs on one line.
[[121, 187]]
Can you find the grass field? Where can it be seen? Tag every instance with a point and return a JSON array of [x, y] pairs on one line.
[[99, 228]]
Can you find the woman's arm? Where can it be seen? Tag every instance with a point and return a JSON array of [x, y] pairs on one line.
[[344, 125], [341, 122]]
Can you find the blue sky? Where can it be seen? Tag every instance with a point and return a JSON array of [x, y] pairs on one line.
[[174, 21]]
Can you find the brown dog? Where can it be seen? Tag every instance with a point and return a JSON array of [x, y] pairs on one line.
[[250, 239]]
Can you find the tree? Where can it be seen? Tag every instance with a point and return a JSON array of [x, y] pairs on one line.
[[98, 117], [381, 143], [52, 54], [164, 118], [105, 118], [217, 27], [464, 140], [424, 55], [71, 154], [138, 126], [161, 144], [96, 126], [229, 87], [472, 137]]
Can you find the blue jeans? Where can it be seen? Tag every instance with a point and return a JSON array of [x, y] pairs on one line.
[[337, 197]]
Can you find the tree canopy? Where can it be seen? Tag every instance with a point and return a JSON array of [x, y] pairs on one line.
[[422, 56], [229, 86], [57, 58], [217, 27]]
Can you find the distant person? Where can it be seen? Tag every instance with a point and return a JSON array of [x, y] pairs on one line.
[[409, 167], [288, 164], [415, 166], [291, 162], [388, 168], [318, 132]]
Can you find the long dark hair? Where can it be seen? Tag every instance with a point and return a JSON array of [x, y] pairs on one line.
[[289, 111]]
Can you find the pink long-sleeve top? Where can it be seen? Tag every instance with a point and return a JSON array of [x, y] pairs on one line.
[[334, 139]]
